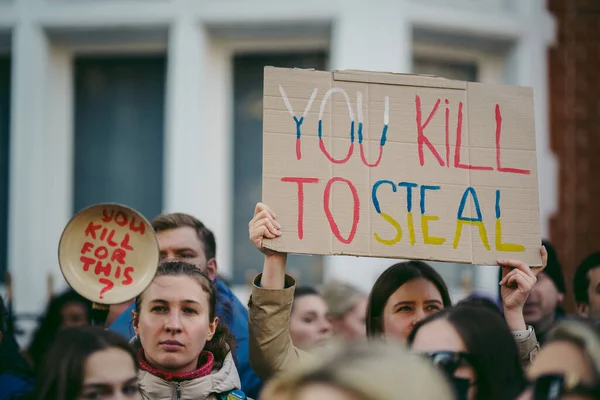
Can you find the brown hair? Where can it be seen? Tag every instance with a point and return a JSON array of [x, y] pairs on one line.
[[341, 298], [223, 341], [389, 281], [168, 222], [61, 373]]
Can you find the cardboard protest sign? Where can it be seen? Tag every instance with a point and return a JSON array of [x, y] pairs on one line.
[[402, 166], [108, 253]]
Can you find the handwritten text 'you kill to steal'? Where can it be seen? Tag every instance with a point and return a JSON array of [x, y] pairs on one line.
[[105, 251], [443, 157]]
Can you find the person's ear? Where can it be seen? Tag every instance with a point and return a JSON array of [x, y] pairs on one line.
[[136, 322], [583, 310], [212, 328], [211, 269]]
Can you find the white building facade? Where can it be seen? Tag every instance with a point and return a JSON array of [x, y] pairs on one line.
[[200, 48]]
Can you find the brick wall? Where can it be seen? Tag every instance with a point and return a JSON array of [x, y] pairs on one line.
[[575, 130]]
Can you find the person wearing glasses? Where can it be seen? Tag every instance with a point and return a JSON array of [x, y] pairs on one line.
[[568, 366], [402, 296], [474, 347]]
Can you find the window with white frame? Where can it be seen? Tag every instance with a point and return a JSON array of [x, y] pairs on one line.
[[119, 125]]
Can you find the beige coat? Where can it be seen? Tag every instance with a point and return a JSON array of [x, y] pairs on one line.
[[209, 387], [270, 344]]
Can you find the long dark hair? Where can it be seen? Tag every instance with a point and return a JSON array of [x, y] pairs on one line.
[[61, 371], [493, 352], [302, 291], [391, 279], [222, 342], [51, 322]]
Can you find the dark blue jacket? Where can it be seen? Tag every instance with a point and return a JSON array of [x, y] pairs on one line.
[[235, 315], [15, 386], [16, 380]]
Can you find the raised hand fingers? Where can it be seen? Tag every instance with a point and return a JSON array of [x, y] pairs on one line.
[[520, 265], [519, 278], [544, 253], [272, 226], [263, 225], [263, 207], [262, 211], [521, 282]]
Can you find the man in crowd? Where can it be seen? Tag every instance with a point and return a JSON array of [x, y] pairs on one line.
[[183, 237], [587, 288]]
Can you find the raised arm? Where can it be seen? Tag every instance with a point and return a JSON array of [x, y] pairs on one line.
[[270, 343], [517, 282]]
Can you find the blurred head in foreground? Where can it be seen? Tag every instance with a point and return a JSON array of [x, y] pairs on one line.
[[362, 371], [568, 366]]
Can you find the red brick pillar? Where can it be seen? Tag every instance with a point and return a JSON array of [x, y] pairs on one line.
[[575, 131]]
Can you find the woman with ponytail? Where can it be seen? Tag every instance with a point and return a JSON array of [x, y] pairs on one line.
[[183, 350]]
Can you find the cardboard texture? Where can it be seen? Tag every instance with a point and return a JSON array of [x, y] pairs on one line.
[[400, 166]]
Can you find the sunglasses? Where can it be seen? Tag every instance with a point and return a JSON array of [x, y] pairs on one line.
[[553, 387], [448, 361]]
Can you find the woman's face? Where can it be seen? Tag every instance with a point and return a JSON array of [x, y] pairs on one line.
[[73, 314], [561, 358], [353, 323], [174, 323], [308, 322], [409, 304], [110, 375], [439, 335]]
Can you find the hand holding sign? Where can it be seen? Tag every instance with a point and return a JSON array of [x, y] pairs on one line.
[[262, 226], [108, 253], [518, 280]]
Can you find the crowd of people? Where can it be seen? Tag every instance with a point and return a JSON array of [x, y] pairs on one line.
[[187, 336]]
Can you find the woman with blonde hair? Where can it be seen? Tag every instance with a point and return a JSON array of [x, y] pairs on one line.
[[361, 371], [347, 309], [568, 366]]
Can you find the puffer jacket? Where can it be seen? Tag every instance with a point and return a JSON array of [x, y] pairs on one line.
[[214, 386]]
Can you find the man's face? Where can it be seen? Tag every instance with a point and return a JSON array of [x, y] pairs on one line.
[[591, 310], [542, 302], [183, 244]]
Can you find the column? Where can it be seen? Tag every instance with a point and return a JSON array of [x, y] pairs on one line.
[[374, 36], [196, 139], [529, 67], [40, 164]]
